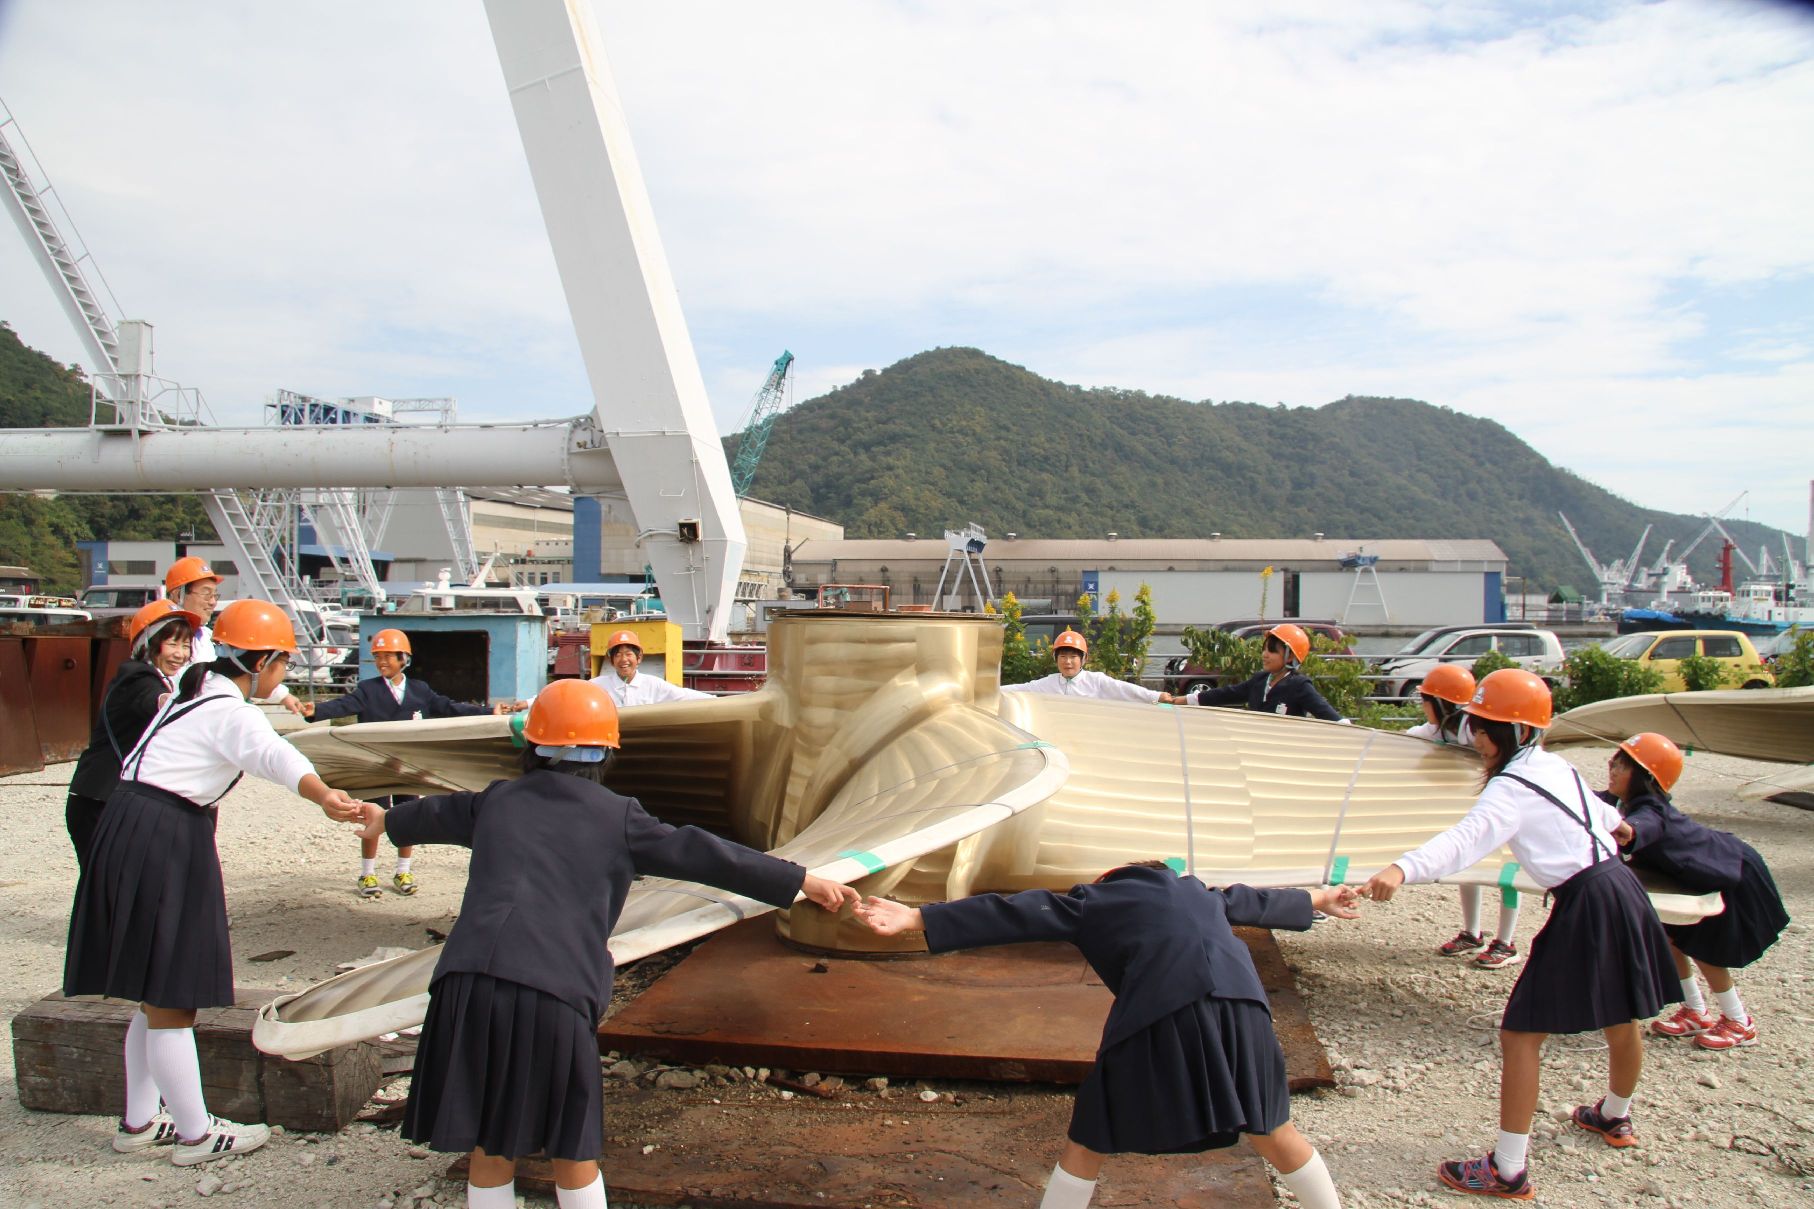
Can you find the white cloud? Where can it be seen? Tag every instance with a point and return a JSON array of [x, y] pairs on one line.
[[1546, 217]]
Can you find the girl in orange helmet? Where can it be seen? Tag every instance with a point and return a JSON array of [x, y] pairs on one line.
[[390, 696], [1443, 693], [1069, 650], [507, 1064], [1279, 687], [192, 586], [627, 685], [158, 643], [150, 916], [1601, 960], [1655, 835]]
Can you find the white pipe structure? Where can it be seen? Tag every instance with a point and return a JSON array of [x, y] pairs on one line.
[[190, 459], [651, 438]]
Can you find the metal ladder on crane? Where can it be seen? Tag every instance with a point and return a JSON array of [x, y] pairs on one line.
[[67, 271]]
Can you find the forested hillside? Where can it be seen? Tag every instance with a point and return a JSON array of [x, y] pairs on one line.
[[955, 435], [36, 392]]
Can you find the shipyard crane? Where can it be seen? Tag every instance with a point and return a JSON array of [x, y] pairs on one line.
[[648, 440], [1614, 576], [770, 401]]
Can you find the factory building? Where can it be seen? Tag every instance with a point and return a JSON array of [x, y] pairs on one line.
[[1395, 582]]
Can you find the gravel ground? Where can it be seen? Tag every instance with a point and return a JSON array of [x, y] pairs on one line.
[[1410, 1033]]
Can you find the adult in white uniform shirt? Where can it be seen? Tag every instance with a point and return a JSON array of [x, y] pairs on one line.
[[627, 685], [1070, 680], [192, 586]]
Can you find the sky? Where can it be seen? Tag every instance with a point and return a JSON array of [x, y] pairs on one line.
[[1587, 221]]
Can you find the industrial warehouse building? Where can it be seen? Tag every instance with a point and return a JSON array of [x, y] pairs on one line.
[[1396, 582]]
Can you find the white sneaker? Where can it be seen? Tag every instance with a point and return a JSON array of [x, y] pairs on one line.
[[223, 1140], [160, 1130]]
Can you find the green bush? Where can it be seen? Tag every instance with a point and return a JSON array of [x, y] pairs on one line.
[[1491, 662], [1020, 660], [1118, 641], [1591, 674], [1795, 668], [1701, 672]]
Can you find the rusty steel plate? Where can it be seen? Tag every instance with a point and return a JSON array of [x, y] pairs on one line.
[[19, 748], [1029, 1012]]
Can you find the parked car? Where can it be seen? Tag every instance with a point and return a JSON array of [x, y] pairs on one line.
[[112, 600], [1535, 650], [1664, 650], [1772, 649], [1182, 675]]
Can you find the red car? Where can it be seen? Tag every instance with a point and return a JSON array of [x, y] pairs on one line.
[[1184, 676]]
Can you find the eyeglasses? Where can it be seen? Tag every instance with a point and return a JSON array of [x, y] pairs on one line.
[[204, 593]]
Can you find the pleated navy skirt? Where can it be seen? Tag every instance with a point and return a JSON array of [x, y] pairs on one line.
[[150, 917], [1196, 1080], [1753, 919], [1600, 959], [506, 1068]]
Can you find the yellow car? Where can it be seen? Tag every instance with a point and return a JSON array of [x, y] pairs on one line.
[[1664, 650]]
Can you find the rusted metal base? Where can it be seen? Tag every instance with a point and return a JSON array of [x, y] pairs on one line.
[[1019, 1012], [865, 1151]]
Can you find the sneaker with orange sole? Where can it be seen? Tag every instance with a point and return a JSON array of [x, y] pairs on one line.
[[1616, 1131], [1729, 1034], [1480, 1177]]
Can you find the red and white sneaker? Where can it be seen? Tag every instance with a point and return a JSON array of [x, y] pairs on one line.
[[1729, 1034], [1498, 955], [1463, 942], [1685, 1023]]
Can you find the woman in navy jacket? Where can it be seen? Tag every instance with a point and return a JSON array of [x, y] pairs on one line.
[[507, 1065], [1279, 688], [1188, 1060], [390, 696], [1655, 835]]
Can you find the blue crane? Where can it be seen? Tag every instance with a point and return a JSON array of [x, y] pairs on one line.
[[769, 402]]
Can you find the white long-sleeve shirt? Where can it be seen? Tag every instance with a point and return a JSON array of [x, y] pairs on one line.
[[198, 754], [201, 650], [1550, 846], [642, 689], [1086, 684]]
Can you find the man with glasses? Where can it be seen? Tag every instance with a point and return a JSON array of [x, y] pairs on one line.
[[192, 586]]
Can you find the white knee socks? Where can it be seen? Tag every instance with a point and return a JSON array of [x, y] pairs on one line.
[[141, 1086], [501, 1197], [1311, 1184], [1066, 1191], [592, 1196], [1470, 910], [1508, 923], [1691, 994], [1731, 1006], [170, 1053]]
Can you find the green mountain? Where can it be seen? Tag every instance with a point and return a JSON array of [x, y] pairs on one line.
[[41, 533], [955, 435]]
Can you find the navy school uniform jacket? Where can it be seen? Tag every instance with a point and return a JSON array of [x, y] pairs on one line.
[[130, 704], [1160, 942], [1294, 695], [372, 701], [553, 857], [1665, 839]]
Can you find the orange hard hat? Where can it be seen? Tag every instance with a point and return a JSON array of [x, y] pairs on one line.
[[623, 638], [1449, 682], [255, 625], [395, 641], [1293, 637], [185, 571], [152, 617], [572, 713], [1512, 694], [1656, 755], [1070, 640]]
